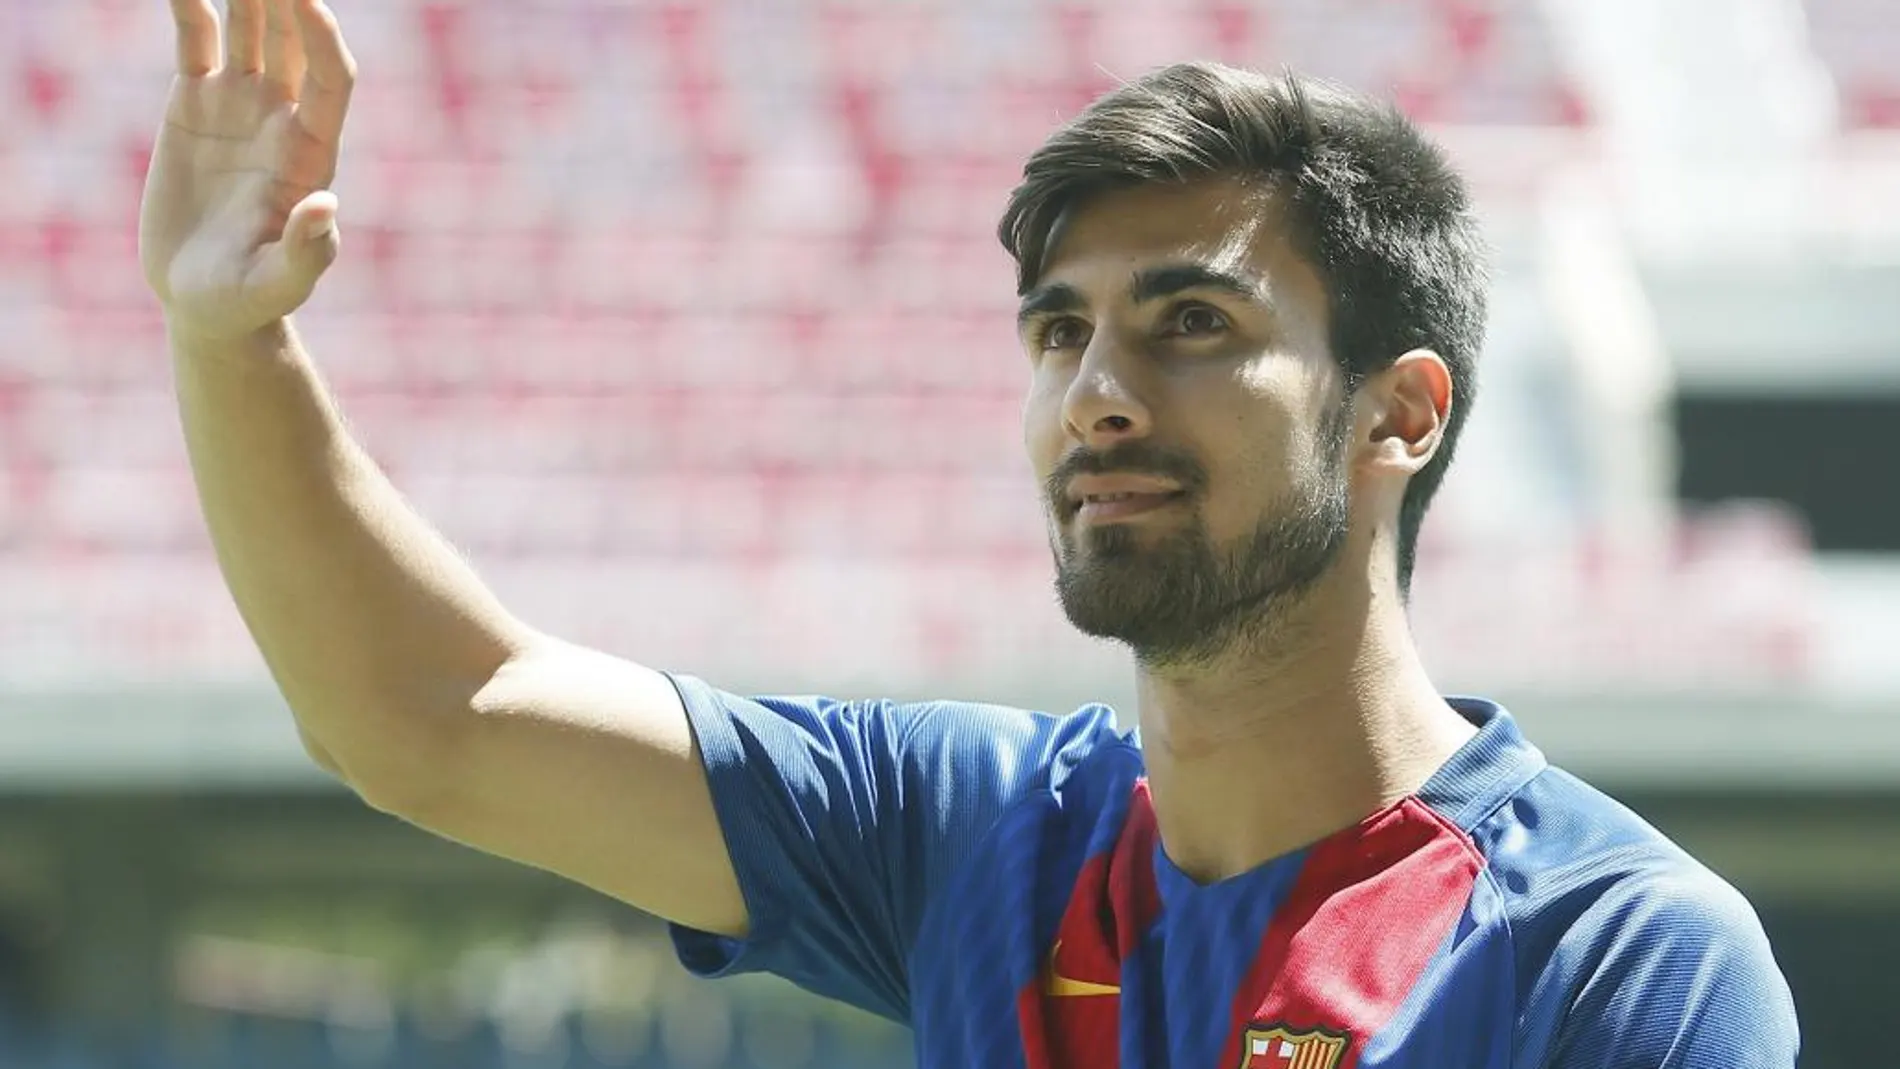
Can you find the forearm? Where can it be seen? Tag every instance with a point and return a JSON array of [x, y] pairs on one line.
[[375, 629]]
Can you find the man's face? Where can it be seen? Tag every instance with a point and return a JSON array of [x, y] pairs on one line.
[[1185, 417]]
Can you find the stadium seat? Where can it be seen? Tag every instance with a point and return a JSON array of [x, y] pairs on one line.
[[635, 282], [1857, 40]]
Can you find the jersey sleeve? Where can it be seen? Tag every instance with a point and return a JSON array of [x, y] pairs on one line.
[[1674, 973], [842, 817]]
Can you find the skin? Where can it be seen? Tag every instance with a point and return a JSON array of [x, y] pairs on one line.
[[409, 679], [1234, 390], [418, 688]]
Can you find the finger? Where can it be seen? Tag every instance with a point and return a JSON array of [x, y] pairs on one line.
[[283, 49], [197, 37], [285, 271], [244, 36], [331, 73]]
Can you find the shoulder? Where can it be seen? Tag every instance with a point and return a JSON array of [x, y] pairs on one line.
[[844, 820], [979, 763], [953, 767], [1560, 848], [926, 733], [1627, 948], [975, 738]]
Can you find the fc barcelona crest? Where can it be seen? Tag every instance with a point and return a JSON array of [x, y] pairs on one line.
[[1275, 1046]]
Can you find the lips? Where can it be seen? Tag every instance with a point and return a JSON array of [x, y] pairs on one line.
[[1085, 487], [1104, 508], [1098, 498]]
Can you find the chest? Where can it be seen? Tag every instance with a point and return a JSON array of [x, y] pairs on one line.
[[1071, 950]]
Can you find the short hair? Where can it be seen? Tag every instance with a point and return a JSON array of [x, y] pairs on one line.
[[1374, 206]]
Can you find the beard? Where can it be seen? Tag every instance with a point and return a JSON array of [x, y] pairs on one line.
[[1185, 599]]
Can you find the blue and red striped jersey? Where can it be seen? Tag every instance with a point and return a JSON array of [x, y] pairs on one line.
[[992, 877]]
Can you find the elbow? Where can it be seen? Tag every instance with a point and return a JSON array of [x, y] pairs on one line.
[[405, 768], [315, 751], [401, 745], [412, 802]]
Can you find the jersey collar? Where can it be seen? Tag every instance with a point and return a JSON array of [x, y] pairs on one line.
[[1485, 771]]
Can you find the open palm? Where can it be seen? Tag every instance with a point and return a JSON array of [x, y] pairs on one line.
[[237, 222]]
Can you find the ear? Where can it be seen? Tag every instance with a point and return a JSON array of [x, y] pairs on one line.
[[1403, 410]]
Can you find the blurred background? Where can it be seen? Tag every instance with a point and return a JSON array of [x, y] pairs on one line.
[[686, 319]]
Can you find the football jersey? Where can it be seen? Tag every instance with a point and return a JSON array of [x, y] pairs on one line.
[[993, 878]]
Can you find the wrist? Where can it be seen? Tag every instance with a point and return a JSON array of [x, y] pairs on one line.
[[273, 340]]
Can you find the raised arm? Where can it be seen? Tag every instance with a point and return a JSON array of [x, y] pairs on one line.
[[408, 679]]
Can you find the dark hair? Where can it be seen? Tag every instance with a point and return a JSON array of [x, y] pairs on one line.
[[1374, 205]]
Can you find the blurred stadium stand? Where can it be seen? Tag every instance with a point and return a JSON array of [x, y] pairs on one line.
[[686, 321], [1857, 39]]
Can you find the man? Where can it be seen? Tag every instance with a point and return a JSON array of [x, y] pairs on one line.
[[1250, 311]]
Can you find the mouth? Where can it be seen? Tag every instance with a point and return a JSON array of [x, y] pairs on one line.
[[1122, 506]]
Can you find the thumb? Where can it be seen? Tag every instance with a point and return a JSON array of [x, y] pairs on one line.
[[311, 240], [285, 271]]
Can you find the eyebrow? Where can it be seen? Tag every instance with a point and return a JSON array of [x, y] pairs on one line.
[[1154, 283], [1047, 300], [1149, 284]]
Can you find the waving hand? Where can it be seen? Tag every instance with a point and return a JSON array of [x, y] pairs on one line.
[[238, 221]]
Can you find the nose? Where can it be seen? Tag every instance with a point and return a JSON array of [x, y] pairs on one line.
[[1103, 404]]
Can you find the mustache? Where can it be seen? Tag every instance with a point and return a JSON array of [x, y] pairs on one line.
[[1127, 458]]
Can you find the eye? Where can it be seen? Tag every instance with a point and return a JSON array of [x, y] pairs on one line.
[[1063, 332], [1196, 320]]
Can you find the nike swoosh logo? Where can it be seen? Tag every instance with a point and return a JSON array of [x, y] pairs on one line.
[[1056, 985]]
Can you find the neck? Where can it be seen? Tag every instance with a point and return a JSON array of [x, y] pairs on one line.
[[1262, 750]]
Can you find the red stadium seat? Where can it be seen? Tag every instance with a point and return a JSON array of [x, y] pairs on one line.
[[637, 283], [1858, 40]]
